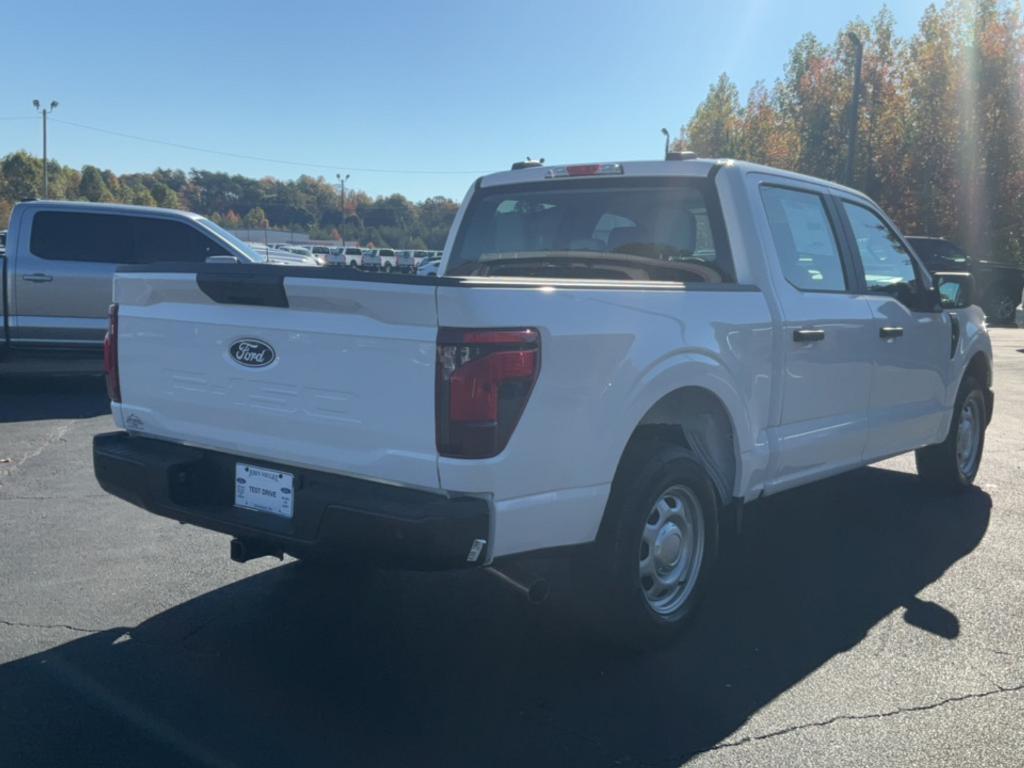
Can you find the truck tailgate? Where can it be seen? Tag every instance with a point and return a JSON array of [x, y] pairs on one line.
[[347, 384]]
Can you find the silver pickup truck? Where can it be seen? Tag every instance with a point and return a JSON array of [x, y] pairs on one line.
[[58, 270]]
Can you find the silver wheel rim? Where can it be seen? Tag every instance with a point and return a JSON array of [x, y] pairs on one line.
[[968, 436], [671, 549]]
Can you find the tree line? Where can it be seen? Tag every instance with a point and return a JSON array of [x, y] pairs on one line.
[[306, 204], [940, 131]]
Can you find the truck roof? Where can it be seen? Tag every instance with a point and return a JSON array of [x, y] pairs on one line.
[[691, 168], [85, 206]]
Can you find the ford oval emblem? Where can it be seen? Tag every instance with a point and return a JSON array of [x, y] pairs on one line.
[[252, 353]]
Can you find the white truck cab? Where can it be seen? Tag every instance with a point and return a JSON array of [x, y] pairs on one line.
[[614, 358]]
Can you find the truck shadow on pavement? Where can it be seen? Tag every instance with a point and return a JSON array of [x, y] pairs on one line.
[[39, 399], [282, 668]]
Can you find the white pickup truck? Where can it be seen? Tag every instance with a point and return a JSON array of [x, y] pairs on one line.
[[614, 358]]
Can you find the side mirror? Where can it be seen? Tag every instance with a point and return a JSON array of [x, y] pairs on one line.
[[222, 258], [956, 289]]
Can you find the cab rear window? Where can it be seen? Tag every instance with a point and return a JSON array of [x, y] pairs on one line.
[[608, 229]]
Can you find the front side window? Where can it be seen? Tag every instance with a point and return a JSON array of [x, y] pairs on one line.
[[888, 265], [805, 242], [158, 240], [621, 229]]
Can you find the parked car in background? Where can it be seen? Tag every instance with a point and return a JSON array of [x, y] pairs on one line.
[[405, 261], [371, 260], [617, 358], [352, 256], [388, 259], [345, 257], [428, 266], [59, 269], [299, 250], [998, 287], [3, 241], [285, 258], [322, 254]]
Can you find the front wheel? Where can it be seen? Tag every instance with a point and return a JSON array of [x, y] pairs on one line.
[[653, 563], [952, 465]]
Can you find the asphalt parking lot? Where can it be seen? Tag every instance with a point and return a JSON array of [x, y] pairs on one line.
[[861, 621]]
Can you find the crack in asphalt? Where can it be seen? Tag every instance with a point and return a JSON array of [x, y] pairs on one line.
[[999, 689], [54, 498], [70, 627], [129, 632]]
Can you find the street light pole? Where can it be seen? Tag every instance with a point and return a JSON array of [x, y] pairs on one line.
[[46, 169], [851, 148], [665, 131], [342, 180]]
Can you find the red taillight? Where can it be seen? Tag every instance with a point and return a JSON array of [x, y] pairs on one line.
[[110, 356], [484, 378]]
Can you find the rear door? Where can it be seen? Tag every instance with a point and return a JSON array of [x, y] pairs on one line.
[[65, 269], [826, 335], [912, 336], [328, 374]]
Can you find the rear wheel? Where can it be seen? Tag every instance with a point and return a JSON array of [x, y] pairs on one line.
[[952, 465], [653, 562]]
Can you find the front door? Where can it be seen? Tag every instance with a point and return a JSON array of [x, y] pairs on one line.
[[911, 340]]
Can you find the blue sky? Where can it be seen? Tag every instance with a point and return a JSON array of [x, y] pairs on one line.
[[359, 88]]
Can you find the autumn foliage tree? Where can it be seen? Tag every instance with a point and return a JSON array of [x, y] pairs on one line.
[[940, 131]]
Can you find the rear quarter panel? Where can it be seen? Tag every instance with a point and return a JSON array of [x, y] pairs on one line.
[[607, 355]]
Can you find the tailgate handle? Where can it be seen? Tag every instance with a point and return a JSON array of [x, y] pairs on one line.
[[243, 287]]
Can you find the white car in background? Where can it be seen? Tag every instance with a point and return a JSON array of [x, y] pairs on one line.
[[322, 254], [405, 261], [350, 256], [429, 266], [285, 258], [371, 259]]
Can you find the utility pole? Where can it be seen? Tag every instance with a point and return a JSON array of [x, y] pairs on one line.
[[46, 169], [665, 132], [342, 182], [851, 148]]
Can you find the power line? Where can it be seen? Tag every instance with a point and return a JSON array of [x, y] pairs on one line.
[[19, 118], [337, 167]]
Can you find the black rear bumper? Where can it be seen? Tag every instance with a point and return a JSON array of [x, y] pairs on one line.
[[334, 516]]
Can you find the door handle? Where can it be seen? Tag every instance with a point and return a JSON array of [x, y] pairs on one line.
[[38, 277], [808, 334], [890, 332]]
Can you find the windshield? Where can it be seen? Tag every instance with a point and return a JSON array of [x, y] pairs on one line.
[[644, 229], [939, 249], [238, 244]]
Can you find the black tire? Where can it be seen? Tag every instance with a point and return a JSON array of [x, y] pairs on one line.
[[616, 595], [939, 465]]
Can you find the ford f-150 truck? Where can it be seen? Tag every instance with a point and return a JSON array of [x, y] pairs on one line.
[[614, 358]]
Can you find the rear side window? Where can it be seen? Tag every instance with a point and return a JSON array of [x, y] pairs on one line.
[[65, 236], [804, 239], [621, 229], [113, 239]]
